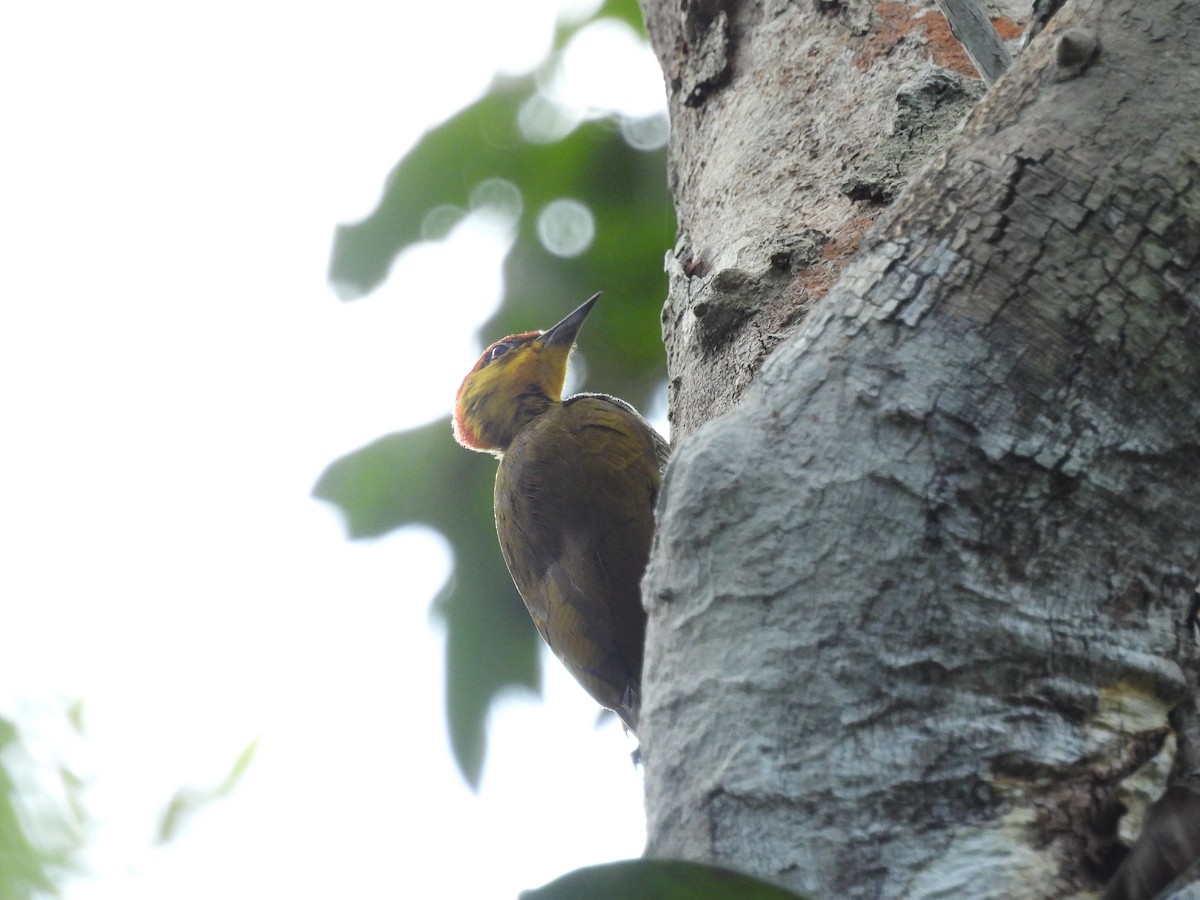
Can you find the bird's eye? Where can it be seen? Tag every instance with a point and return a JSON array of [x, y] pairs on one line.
[[498, 351]]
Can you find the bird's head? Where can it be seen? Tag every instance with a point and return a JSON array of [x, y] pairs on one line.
[[515, 380]]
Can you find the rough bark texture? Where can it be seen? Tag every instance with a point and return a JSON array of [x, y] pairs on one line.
[[921, 602], [815, 114]]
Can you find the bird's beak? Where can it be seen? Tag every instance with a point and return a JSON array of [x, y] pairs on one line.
[[564, 332]]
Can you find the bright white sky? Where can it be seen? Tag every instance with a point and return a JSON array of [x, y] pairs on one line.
[[176, 373]]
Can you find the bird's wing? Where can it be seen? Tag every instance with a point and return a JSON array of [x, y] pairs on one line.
[[575, 513]]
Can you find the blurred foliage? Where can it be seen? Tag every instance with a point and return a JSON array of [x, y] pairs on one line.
[[190, 800], [30, 864], [658, 879], [422, 476]]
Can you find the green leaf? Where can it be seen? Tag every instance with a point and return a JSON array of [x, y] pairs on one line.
[[483, 142], [240, 765], [624, 188], [628, 11], [30, 868], [188, 801], [658, 879]]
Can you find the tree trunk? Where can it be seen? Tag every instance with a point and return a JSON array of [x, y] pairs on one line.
[[921, 596]]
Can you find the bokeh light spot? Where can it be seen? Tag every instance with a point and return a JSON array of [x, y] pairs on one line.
[[497, 197], [440, 221], [566, 227], [543, 121], [647, 133]]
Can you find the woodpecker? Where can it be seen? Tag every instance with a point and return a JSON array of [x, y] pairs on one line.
[[575, 493]]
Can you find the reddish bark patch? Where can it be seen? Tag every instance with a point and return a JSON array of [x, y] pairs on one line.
[[1007, 29], [892, 22], [808, 286], [895, 21], [843, 245], [944, 48], [816, 281]]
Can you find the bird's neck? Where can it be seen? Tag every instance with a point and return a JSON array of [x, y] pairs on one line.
[[503, 427]]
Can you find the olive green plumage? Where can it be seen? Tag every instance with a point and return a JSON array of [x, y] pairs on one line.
[[575, 495]]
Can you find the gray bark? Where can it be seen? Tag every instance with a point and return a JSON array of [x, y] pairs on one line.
[[920, 601], [792, 123]]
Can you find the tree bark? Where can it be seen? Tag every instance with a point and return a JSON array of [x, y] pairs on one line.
[[793, 123], [920, 601]]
